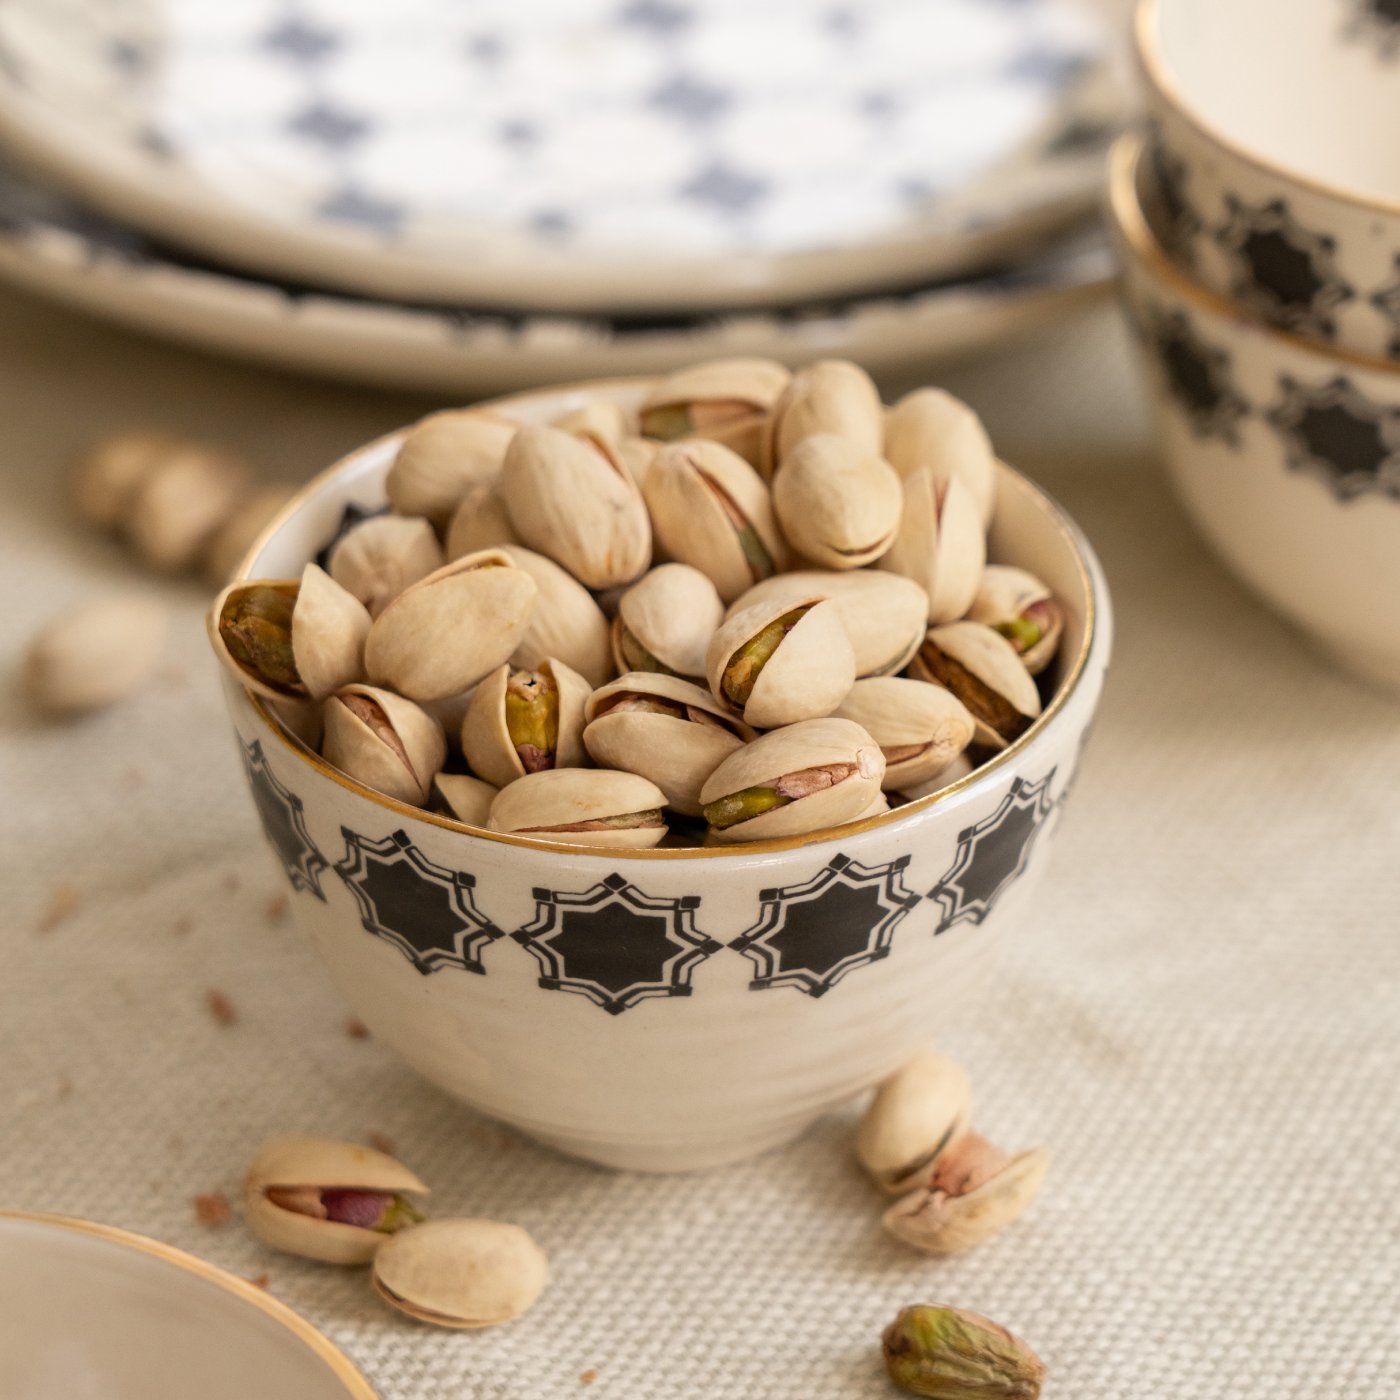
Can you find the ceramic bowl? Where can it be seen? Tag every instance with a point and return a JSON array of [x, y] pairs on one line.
[[668, 1009], [1286, 455], [1278, 151], [96, 1313]]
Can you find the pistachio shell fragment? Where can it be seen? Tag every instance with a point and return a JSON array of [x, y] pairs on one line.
[[328, 1200], [384, 741], [467, 798], [479, 522], [930, 428], [566, 621], [445, 455], [583, 807], [94, 654], [827, 396], [939, 544], [952, 1354], [522, 722], [239, 533], [982, 669], [329, 627], [380, 557], [726, 401], [837, 504], [920, 728], [181, 502], [1020, 607], [461, 1273], [665, 621], [916, 1114]]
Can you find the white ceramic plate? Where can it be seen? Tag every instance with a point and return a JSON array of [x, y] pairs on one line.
[[595, 155], [96, 1313], [52, 246]]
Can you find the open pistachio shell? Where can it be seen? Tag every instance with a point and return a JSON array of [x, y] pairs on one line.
[[441, 635], [920, 728], [666, 730], [182, 502], [378, 558], [726, 401], [479, 522], [930, 428], [571, 499], [386, 742], [250, 629], [827, 396], [1022, 608], [522, 721], [982, 669], [665, 621], [583, 807], [461, 1273], [781, 661], [237, 535], [961, 767], [329, 627], [838, 504], [939, 544], [915, 1114], [442, 457], [467, 798], [805, 777], [712, 511], [566, 621], [295, 1170]]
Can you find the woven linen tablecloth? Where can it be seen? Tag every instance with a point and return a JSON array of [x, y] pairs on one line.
[[1202, 1020]]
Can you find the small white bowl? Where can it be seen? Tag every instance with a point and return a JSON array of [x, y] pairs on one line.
[[93, 1311], [1276, 142], [676, 1008], [1285, 454]]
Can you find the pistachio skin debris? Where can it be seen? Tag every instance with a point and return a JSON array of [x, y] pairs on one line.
[[948, 1353]]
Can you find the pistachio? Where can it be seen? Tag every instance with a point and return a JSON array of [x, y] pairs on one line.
[[583, 807], [827, 396], [726, 401], [522, 722], [599, 419], [442, 457], [838, 504], [467, 798], [637, 454], [328, 1200], [712, 511], [930, 428], [384, 741], [441, 635], [916, 1114], [961, 767], [666, 730], [1020, 607], [665, 621], [480, 522], [920, 728], [378, 558], [939, 544], [181, 503], [571, 499], [951, 1354], [94, 654], [109, 474], [982, 669], [240, 532], [461, 1273], [776, 663], [566, 621], [804, 777]]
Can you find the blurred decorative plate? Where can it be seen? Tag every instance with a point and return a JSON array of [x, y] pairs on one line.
[[596, 155], [52, 246]]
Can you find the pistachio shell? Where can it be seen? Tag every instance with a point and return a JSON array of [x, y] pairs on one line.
[[94, 654], [442, 457], [987, 676], [109, 474], [930, 428], [602, 419], [827, 396], [467, 798], [547, 804], [461, 1273], [486, 739], [677, 752], [262, 676], [726, 401], [670, 613], [809, 744], [290, 1162], [916, 1113], [239, 533], [711, 510], [329, 627], [637, 454], [398, 751], [1004, 596], [181, 503], [939, 544], [807, 675], [920, 728], [961, 767], [480, 522], [566, 621], [837, 504], [571, 499], [378, 558], [441, 635]]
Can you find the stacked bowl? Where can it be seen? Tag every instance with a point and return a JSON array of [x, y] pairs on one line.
[[1258, 225]]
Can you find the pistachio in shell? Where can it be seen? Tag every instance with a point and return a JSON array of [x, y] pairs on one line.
[[479, 522], [1022, 608], [827, 396], [961, 767], [665, 621], [464, 797], [805, 777], [524, 721], [328, 1200], [637, 454], [917, 1113], [109, 474], [982, 669], [582, 807], [441, 635], [95, 654], [778, 662], [380, 557], [837, 503], [601, 419], [920, 728], [726, 401], [182, 502], [940, 543], [566, 622], [443, 456], [384, 741], [930, 428], [665, 729], [461, 1273]]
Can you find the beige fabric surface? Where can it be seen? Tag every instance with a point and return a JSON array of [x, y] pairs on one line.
[[1203, 1021]]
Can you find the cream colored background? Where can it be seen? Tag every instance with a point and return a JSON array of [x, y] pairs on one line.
[[1204, 1023]]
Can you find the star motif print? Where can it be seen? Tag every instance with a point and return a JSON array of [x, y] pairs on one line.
[[425, 910], [810, 935], [353, 206], [1387, 302], [301, 42], [614, 944], [1377, 23], [993, 854], [1198, 377], [1181, 220], [284, 823], [1334, 432]]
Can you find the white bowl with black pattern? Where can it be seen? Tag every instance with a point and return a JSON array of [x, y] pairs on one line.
[[1276, 145], [676, 1008], [1286, 454]]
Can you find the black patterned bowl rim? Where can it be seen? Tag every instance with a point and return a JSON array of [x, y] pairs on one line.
[[1135, 232], [1079, 549], [1153, 64]]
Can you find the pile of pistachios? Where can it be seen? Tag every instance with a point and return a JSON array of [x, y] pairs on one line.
[[757, 607]]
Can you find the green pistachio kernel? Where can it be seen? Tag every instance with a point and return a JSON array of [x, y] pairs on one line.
[[256, 627], [736, 807], [666, 421], [746, 665], [532, 718]]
